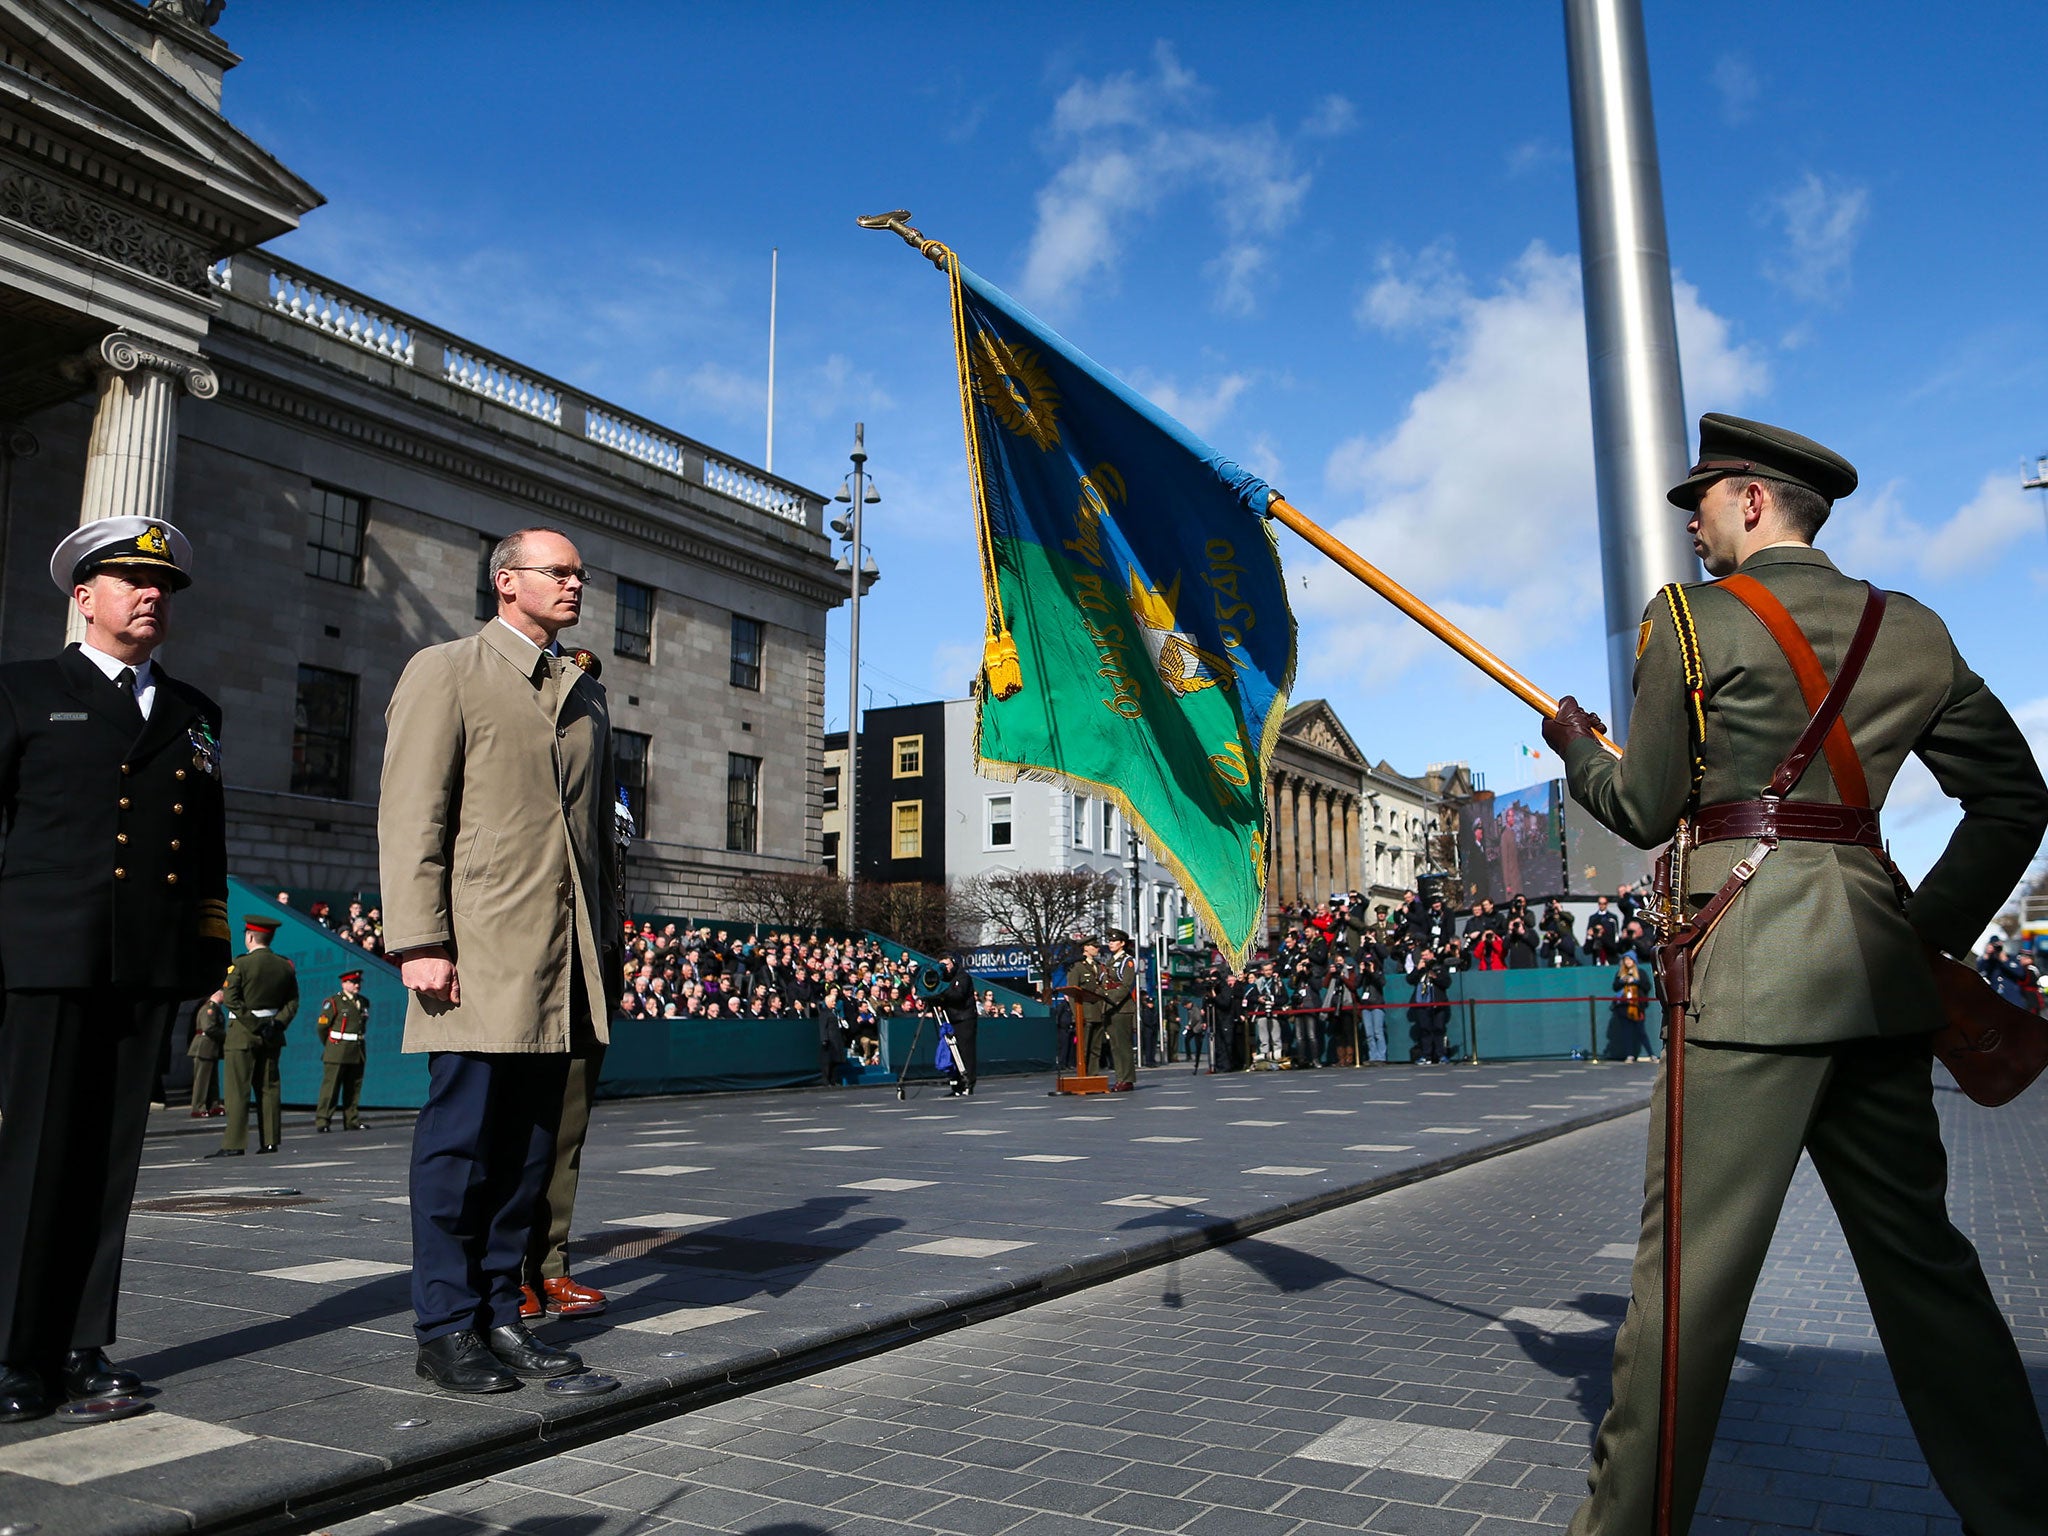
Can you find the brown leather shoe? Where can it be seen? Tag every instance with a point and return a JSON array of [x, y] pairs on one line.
[[530, 1304], [566, 1298]]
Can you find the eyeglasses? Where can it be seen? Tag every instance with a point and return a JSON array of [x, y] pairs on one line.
[[560, 575]]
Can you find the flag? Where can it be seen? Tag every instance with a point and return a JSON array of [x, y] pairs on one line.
[[1140, 645]]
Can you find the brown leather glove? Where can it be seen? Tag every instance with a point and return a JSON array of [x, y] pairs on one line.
[[1570, 723]]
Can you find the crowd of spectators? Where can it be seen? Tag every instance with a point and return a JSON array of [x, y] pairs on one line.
[[360, 925], [847, 986]]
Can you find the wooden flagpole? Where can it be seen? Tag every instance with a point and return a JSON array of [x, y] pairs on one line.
[[1288, 515]]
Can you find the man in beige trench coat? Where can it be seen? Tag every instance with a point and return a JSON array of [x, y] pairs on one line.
[[495, 839]]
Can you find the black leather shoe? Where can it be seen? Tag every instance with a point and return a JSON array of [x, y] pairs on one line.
[[321, 1129], [24, 1395], [225, 1152], [460, 1362], [266, 1149], [524, 1355], [89, 1373]]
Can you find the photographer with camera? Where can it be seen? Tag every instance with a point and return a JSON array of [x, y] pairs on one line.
[[260, 997], [1429, 1013]]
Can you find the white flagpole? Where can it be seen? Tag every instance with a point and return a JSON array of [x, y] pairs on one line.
[[774, 260]]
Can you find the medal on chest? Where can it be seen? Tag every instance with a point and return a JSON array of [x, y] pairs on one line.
[[205, 750]]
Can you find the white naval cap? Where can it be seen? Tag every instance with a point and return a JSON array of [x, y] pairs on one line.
[[138, 541]]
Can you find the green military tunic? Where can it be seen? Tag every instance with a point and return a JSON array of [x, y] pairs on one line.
[[1808, 1032], [344, 1034], [1111, 1020], [261, 996], [209, 1029]]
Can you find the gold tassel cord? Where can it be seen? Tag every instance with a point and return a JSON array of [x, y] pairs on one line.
[[1001, 667]]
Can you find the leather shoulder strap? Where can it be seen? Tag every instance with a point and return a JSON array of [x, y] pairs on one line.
[[1825, 731]]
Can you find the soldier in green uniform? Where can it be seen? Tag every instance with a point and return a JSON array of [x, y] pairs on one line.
[[1120, 986], [1812, 1006], [261, 995], [344, 1040], [209, 1029], [1089, 974]]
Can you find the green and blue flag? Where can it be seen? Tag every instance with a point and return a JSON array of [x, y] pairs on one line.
[[1140, 645]]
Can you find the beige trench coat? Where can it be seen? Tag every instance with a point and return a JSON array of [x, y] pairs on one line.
[[495, 837]]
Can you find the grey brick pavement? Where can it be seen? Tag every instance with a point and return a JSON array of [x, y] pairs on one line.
[[742, 1239], [1447, 1343]]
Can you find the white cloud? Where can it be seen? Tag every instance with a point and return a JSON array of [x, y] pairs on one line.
[[1821, 224], [1333, 115], [1736, 81], [1533, 155], [1201, 409], [1885, 539], [1482, 498], [1133, 142]]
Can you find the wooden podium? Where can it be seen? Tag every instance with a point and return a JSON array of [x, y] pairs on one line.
[[1080, 1080]]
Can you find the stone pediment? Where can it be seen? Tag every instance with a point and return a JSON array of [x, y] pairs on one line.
[[103, 117], [1313, 724]]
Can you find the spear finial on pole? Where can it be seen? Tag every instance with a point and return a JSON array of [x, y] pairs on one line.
[[899, 220]]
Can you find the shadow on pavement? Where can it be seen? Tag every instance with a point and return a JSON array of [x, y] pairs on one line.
[[770, 1253], [378, 1298]]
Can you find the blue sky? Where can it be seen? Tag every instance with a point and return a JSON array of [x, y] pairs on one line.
[[1339, 241]]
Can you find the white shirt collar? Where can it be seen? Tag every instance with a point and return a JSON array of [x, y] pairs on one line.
[[112, 665], [553, 648]]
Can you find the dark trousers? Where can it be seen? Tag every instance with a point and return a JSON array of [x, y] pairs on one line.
[[554, 1209], [482, 1150], [964, 1049], [79, 1068], [1431, 1025], [205, 1082]]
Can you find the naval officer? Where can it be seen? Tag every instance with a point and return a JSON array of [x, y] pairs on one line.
[[113, 911]]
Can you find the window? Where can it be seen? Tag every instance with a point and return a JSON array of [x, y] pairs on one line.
[[323, 733], [334, 536], [742, 803], [486, 594], [1108, 843], [831, 858], [746, 653], [1080, 821], [999, 826], [633, 628], [908, 756], [831, 801], [630, 751], [906, 821]]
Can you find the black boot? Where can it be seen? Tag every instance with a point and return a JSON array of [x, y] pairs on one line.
[[460, 1362], [89, 1373], [519, 1352], [24, 1394]]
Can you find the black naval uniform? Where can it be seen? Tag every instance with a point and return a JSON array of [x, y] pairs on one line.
[[113, 891]]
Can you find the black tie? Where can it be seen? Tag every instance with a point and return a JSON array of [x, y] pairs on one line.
[[125, 680]]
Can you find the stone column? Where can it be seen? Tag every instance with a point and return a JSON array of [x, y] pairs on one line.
[[1354, 877], [1283, 791], [133, 452]]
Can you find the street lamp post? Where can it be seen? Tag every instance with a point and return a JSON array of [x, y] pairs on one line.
[[858, 491]]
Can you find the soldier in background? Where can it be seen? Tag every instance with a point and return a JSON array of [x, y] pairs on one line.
[[209, 1029], [261, 996], [344, 1040], [113, 912], [1121, 1014]]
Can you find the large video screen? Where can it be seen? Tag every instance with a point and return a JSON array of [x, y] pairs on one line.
[[1513, 844]]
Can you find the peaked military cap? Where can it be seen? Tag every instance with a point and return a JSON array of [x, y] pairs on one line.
[[263, 925], [149, 542], [1733, 445], [1118, 936], [351, 975]]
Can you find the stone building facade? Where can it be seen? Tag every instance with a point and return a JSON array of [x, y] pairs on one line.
[[342, 468]]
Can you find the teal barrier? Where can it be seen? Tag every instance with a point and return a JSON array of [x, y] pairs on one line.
[[1002, 1046], [390, 1080], [1546, 1014], [654, 1056]]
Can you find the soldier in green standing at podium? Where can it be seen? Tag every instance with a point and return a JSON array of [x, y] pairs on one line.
[[344, 1038], [260, 997]]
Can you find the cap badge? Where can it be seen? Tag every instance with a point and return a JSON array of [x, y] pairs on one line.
[[151, 541]]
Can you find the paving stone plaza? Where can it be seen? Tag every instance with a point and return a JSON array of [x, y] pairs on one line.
[[1277, 1304]]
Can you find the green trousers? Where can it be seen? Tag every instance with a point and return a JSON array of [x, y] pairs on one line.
[[341, 1085], [547, 1254], [245, 1071], [1123, 1058], [1863, 1110], [205, 1082]]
